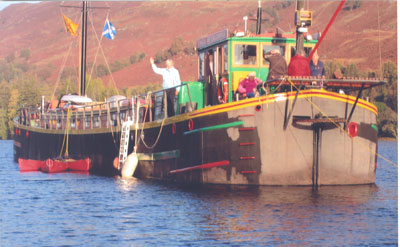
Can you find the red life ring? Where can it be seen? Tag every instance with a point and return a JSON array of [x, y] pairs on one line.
[[352, 129], [173, 128], [223, 91], [190, 124]]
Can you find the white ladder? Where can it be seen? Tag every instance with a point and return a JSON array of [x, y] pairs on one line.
[[124, 143]]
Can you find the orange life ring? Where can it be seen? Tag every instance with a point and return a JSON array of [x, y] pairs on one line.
[[115, 162], [223, 91]]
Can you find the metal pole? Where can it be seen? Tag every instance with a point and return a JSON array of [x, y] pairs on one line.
[[83, 49], [299, 35]]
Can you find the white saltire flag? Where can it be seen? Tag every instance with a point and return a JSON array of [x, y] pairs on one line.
[[109, 30]]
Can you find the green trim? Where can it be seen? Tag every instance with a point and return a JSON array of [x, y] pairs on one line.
[[215, 127], [374, 127], [159, 156]]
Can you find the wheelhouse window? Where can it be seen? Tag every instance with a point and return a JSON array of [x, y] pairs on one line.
[[245, 54], [268, 48], [226, 58], [201, 65]]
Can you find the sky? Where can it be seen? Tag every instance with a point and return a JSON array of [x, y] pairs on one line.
[[4, 4]]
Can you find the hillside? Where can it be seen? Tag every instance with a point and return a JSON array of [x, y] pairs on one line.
[[366, 36]]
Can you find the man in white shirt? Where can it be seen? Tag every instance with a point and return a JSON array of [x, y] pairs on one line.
[[171, 80]]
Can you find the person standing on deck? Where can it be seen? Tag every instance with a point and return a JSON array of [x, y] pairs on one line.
[[171, 79], [317, 68], [298, 65], [277, 64]]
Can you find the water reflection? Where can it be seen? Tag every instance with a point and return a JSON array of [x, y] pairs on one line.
[[126, 184], [277, 214]]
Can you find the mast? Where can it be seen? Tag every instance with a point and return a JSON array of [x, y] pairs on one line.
[[259, 17], [299, 34], [83, 49]]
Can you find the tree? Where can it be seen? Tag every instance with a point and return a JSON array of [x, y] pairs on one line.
[[159, 57], [351, 70], [176, 46], [141, 56], [4, 130], [12, 109], [67, 87], [25, 53], [10, 58], [101, 70], [133, 59], [45, 72], [95, 89]]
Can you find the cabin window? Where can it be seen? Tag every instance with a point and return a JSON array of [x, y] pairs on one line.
[[269, 48], [201, 65], [225, 58], [245, 54]]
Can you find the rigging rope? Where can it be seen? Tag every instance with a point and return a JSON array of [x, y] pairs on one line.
[[340, 127], [97, 52], [105, 59], [63, 63], [379, 41]]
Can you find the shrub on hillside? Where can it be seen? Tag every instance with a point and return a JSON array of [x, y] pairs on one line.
[[352, 4], [25, 53]]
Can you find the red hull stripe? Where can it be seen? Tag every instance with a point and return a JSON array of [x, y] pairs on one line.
[[247, 143], [246, 129], [346, 97], [247, 158], [203, 166], [246, 172], [246, 115]]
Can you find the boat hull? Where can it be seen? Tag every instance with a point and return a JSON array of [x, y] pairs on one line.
[[26, 165], [254, 141], [54, 166], [82, 165]]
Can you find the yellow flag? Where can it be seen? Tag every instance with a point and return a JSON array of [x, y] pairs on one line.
[[70, 26]]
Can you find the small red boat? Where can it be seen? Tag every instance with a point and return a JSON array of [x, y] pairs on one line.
[[30, 165], [52, 166], [62, 165], [79, 165]]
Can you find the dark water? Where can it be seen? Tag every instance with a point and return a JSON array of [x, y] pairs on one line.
[[70, 209]]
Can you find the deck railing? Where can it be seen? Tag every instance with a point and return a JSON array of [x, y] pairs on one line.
[[152, 107]]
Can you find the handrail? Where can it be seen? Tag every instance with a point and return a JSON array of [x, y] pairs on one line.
[[85, 116]]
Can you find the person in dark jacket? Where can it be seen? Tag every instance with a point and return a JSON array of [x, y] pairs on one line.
[[277, 64], [298, 65], [316, 66]]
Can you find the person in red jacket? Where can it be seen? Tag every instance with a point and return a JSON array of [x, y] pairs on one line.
[[299, 65]]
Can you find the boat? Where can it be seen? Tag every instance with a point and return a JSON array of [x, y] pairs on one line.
[[54, 166], [65, 164], [82, 165], [292, 133], [26, 165]]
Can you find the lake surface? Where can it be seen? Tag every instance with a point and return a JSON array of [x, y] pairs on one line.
[[73, 209]]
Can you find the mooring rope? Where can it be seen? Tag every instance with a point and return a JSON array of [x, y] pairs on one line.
[[161, 128], [65, 135], [340, 127]]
